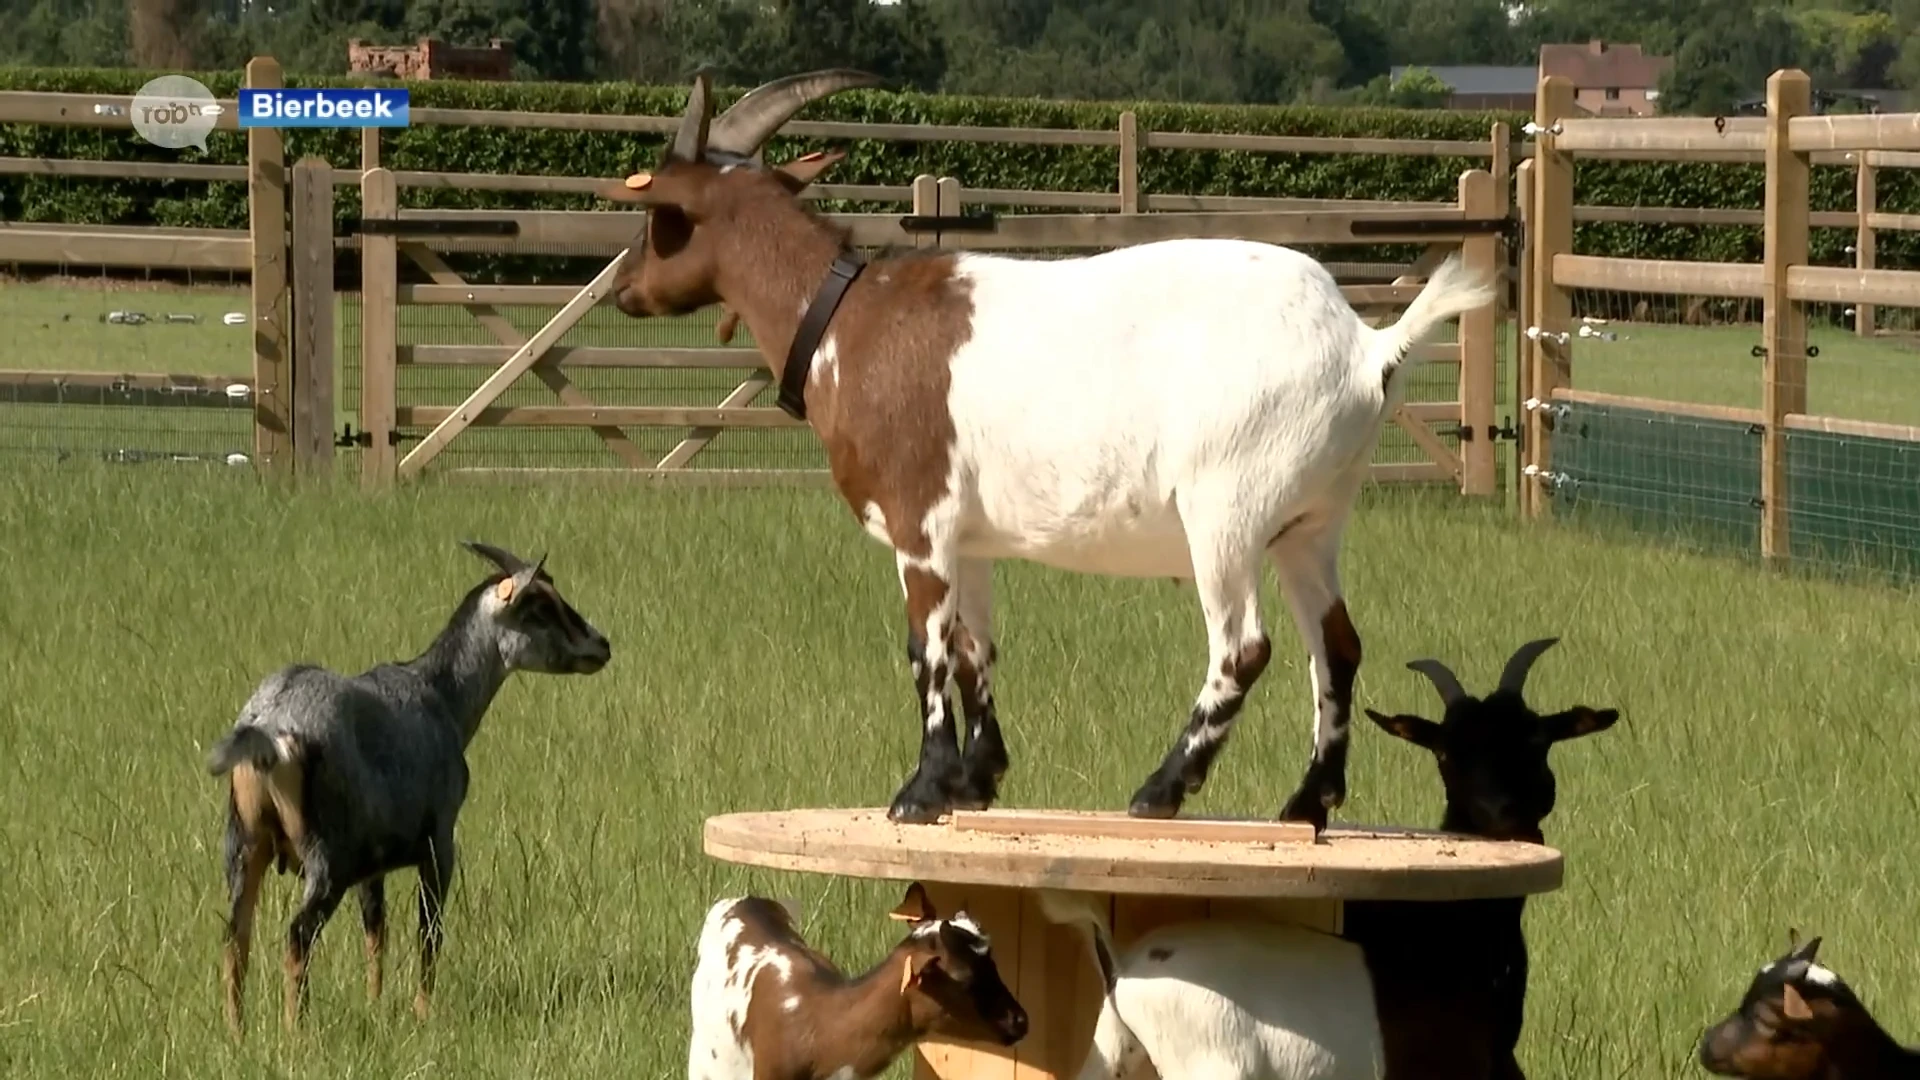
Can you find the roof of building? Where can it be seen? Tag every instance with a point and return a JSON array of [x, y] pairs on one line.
[[1479, 78], [1597, 65]]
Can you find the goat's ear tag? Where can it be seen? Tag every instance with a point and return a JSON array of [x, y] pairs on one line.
[[504, 590], [814, 156], [640, 181]]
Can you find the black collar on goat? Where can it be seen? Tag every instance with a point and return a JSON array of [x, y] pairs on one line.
[[729, 142]]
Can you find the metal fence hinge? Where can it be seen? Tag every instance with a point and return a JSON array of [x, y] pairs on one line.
[[937, 223], [352, 438]]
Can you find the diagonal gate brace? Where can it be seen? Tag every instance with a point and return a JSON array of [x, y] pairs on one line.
[[496, 384], [510, 336]]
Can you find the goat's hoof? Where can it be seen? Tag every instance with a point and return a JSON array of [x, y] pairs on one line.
[[1311, 805], [1158, 798], [912, 808], [977, 792]]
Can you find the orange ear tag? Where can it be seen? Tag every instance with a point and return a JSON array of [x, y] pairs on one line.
[[640, 181], [815, 156], [504, 590]]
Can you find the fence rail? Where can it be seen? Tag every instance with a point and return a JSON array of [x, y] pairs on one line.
[[287, 254]]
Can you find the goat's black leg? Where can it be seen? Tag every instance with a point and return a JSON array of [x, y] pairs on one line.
[[931, 619], [317, 903], [1306, 560], [985, 759], [373, 921], [1228, 581], [436, 876], [247, 857]]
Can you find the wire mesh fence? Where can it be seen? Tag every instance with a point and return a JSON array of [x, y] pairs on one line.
[[133, 367], [1664, 429]]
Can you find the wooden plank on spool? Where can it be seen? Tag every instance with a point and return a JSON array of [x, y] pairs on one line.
[[1115, 824]]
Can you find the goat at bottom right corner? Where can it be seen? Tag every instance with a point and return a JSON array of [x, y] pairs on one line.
[[1800, 1021]]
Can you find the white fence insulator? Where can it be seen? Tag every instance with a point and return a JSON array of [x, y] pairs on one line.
[[239, 390]]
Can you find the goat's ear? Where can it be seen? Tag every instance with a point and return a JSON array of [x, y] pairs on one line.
[[1577, 721], [915, 907], [795, 175], [915, 972], [1793, 1005], [1417, 730]]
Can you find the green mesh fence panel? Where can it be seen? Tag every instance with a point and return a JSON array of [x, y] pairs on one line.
[[1855, 501], [1658, 473]]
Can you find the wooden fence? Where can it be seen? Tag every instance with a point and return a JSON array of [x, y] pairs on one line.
[[1789, 140], [288, 248]]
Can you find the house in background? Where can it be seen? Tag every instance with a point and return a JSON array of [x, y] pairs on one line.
[[1608, 80], [432, 58], [1482, 86]]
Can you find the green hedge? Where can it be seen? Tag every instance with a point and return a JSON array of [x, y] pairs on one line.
[[187, 203]]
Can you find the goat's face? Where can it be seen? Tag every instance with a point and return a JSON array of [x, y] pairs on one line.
[[693, 209], [1792, 1011], [701, 195], [1492, 752], [950, 981], [535, 627]]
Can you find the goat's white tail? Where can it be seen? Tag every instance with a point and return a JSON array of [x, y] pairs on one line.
[[1452, 290], [246, 744], [1115, 1051]]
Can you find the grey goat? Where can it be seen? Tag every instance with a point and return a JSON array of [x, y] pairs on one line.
[[349, 779]]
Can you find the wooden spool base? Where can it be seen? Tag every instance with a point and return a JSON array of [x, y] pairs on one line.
[[1145, 874]]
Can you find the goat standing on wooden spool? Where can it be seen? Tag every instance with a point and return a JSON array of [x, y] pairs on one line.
[[1170, 409]]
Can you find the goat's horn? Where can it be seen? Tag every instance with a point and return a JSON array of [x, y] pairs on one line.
[[500, 557], [1442, 678], [752, 120], [690, 142], [1514, 677]]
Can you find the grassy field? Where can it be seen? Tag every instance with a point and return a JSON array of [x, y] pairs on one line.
[[1761, 776]]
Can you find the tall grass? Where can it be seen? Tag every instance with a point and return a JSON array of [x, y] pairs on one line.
[[1762, 776]]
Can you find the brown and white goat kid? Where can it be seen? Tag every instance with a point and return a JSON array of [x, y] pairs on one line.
[[1799, 1021], [767, 1006], [1171, 409], [1433, 990]]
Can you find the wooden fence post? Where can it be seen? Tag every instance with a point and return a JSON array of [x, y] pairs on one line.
[[1789, 94], [379, 319], [1523, 346], [1552, 234], [1866, 200], [926, 203], [1129, 163], [1479, 200], [313, 355], [267, 228]]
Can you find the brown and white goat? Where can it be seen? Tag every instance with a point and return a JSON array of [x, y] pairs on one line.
[[1409, 990], [767, 1006], [1170, 409], [1799, 1021]]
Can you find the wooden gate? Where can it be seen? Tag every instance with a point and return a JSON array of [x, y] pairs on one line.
[[1475, 224]]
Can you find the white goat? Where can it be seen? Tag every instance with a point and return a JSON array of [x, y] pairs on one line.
[[1172, 409]]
